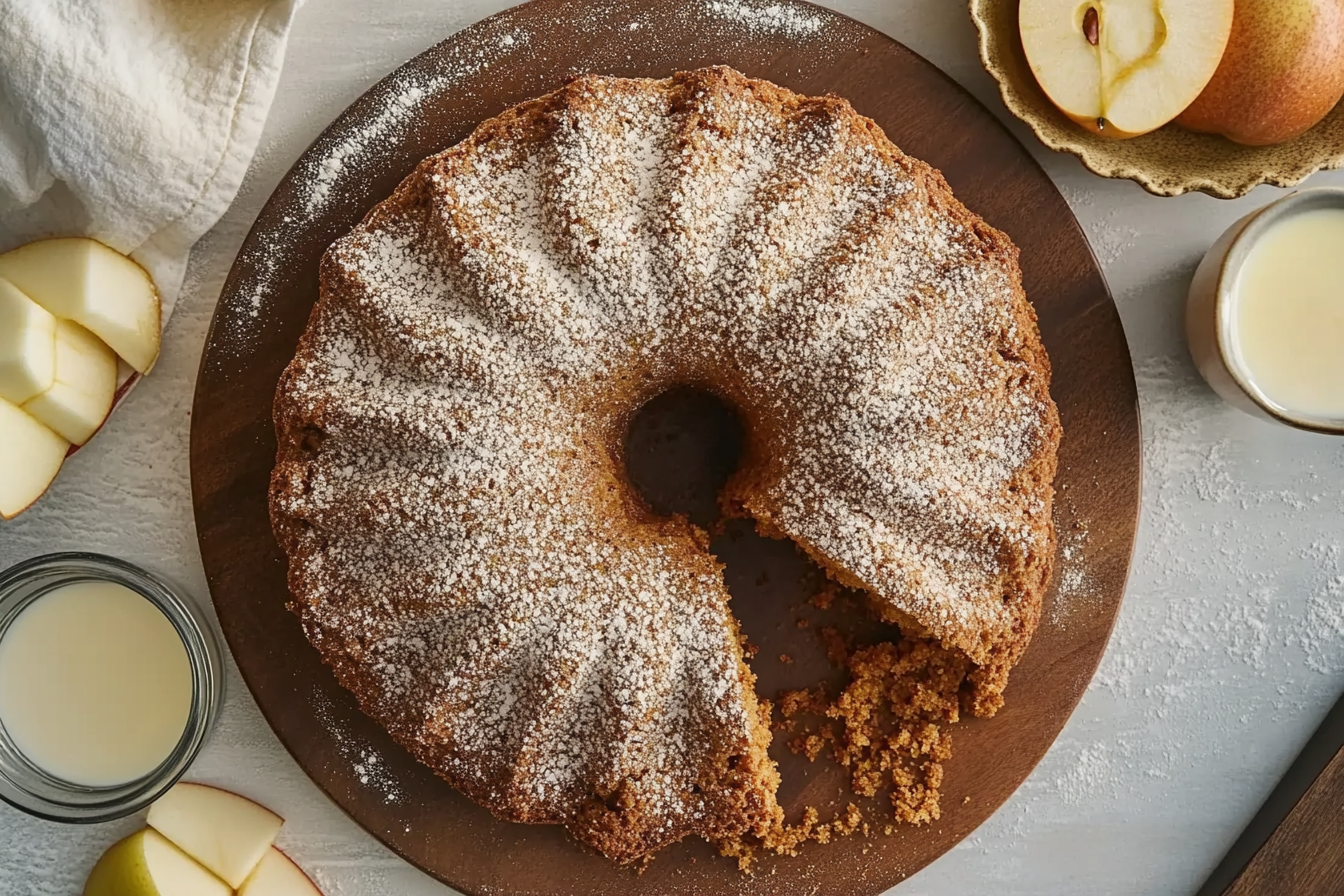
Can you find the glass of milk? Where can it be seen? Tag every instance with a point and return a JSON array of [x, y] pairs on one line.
[[1265, 316], [109, 683]]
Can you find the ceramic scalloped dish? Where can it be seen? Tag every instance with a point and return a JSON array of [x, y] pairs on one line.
[[1168, 161]]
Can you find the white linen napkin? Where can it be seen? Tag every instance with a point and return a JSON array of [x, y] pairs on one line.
[[132, 121]]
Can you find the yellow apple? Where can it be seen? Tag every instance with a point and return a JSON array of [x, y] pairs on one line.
[[27, 346], [146, 864], [30, 457], [80, 396], [1282, 73], [96, 287], [223, 831], [1124, 67]]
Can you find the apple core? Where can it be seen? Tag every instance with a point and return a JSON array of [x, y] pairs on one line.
[[1124, 67]]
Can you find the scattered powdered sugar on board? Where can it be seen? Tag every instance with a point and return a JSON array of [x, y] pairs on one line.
[[771, 18], [334, 170], [402, 95], [373, 772], [240, 321], [366, 763], [329, 166], [1075, 592]]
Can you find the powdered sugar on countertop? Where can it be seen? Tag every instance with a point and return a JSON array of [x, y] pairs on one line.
[[1230, 644], [1075, 592]]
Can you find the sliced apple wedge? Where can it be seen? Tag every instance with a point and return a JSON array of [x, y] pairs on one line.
[[80, 397], [225, 832], [1124, 67], [30, 457], [96, 287], [27, 346], [146, 864], [277, 875]]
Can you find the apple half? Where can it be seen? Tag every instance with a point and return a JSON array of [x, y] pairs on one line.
[[277, 875], [97, 287], [225, 832], [30, 457], [1122, 68], [146, 864], [80, 396]]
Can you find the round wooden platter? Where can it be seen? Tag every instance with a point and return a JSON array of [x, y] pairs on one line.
[[436, 100]]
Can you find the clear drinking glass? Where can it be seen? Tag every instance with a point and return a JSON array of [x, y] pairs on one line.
[[37, 792]]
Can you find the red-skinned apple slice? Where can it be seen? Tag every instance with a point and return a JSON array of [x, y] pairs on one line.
[[80, 397], [27, 346], [96, 287], [277, 875], [1124, 67], [30, 457], [225, 832]]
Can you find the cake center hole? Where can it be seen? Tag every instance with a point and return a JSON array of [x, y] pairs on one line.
[[680, 450]]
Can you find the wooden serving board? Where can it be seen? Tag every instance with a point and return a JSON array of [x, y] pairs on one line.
[[1295, 843], [436, 100]]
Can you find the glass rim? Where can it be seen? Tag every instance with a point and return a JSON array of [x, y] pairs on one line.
[[37, 792]]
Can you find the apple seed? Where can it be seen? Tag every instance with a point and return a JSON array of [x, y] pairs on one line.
[[1091, 26]]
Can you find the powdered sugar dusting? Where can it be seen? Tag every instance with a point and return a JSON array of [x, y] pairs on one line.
[[1075, 592], [327, 168], [366, 763], [774, 18], [401, 98], [1322, 631], [337, 168], [458, 539]]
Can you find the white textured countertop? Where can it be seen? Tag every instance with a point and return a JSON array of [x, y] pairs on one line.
[[1229, 650]]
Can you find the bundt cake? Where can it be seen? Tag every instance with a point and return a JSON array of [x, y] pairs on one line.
[[464, 548]]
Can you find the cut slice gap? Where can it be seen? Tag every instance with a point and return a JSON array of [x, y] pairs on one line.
[[680, 450], [847, 661]]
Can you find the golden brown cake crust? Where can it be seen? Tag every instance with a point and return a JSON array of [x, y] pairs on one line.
[[464, 548]]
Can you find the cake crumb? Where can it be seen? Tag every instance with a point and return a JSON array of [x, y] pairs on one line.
[[893, 715], [823, 599]]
